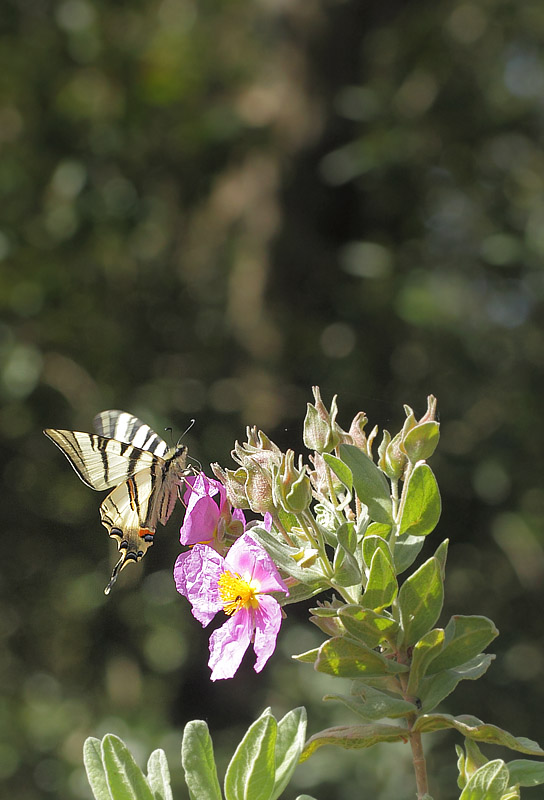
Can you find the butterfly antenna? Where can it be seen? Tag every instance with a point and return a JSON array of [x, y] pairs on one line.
[[187, 429]]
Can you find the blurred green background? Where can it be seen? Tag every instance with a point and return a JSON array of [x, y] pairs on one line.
[[205, 208]]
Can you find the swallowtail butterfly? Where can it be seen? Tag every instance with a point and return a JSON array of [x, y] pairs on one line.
[[127, 454]]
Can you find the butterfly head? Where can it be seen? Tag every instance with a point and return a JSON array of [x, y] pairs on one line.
[[133, 545]]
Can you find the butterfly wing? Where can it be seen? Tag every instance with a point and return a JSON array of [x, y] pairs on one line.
[[125, 427], [127, 454], [124, 513], [100, 463]]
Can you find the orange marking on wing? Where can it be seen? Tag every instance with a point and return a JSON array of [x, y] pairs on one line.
[[145, 532]]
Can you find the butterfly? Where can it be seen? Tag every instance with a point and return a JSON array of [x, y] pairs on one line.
[[127, 454]]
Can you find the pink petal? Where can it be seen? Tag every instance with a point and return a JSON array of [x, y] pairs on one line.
[[196, 573], [229, 643], [252, 562], [200, 520], [267, 625]]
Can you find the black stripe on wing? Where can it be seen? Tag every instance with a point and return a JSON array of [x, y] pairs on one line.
[[127, 428], [102, 463]]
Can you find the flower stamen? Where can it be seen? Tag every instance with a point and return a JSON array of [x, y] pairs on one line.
[[236, 593]]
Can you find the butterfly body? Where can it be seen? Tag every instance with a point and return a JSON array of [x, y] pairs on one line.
[[128, 455]]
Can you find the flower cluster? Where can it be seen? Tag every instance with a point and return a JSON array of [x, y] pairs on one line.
[[239, 583]]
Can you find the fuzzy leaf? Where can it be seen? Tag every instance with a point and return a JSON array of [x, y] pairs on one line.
[[407, 549], [372, 705], [465, 637], [355, 737], [125, 778], [422, 506], [94, 766], [251, 772], [381, 588], [370, 483], [367, 626], [290, 738], [340, 469], [346, 659], [287, 558], [487, 783], [435, 688], [424, 652], [420, 601], [526, 773], [473, 728], [199, 763], [158, 776]]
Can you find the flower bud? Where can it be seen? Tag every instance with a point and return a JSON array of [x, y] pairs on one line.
[[321, 432], [291, 487], [234, 483], [392, 458], [356, 430]]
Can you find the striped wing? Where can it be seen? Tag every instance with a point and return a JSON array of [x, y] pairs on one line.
[[127, 454], [101, 463], [125, 427]]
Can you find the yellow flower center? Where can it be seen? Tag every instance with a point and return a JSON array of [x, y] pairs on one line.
[[236, 593]]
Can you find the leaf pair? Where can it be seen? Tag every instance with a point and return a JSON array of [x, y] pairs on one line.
[[259, 770], [114, 775]]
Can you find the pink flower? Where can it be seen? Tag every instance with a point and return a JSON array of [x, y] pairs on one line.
[[205, 520], [240, 585]]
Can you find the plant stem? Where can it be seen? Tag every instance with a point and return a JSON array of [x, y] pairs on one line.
[[420, 766]]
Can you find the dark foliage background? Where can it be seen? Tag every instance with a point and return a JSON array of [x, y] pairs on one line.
[[205, 208]]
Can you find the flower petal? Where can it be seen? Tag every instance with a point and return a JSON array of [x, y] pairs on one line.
[[196, 573], [229, 643], [200, 520], [250, 560], [267, 620]]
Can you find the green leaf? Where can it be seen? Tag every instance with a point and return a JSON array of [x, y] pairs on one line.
[[422, 506], [340, 469], [526, 773], [407, 549], [372, 705], [381, 588], [309, 657], [125, 778], [487, 783], [290, 738], [346, 571], [420, 601], [367, 626], [370, 483], [158, 776], [427, 649], [287, 558], [355, 737], [473, 728], [381, 529], [421, 441], [441, 554], [96, 774], [346, 659], [435, 688], [198, 762], [372, 543], [465, 637], [251, 772]]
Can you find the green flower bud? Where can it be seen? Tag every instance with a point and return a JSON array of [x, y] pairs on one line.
[[392, 459], [321, 432], [421, 441], [291, 487], [234, 483]]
